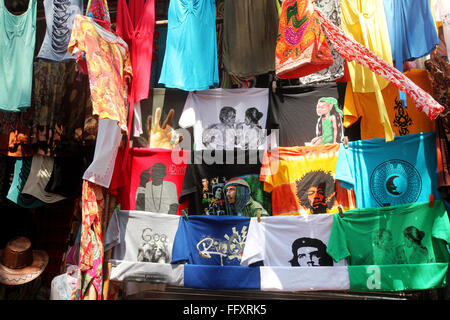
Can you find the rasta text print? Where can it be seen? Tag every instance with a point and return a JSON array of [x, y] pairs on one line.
[[228, 249]]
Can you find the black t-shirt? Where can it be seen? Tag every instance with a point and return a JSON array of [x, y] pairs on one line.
[[225, 183], [295, 113]]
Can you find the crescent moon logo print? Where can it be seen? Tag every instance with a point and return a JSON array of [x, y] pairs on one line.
[[395, 182]]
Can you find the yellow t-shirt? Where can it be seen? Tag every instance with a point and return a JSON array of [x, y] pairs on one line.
[[301, 180], [365, 22], [406, 120]]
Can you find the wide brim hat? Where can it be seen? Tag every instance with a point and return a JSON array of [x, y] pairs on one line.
[[20, 264]]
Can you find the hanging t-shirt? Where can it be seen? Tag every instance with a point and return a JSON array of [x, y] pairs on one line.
[[249, 37], [304, 116], [151, 180], [392, 242], [210, 240], [59, 16], [225, 185], [412, 31], [141, 236], [171, 103], [390, 173], [18, 38], [302, 180], [411, 27], [227, 118], [109, 67], [403, 119], [190, 59], [296, 241]]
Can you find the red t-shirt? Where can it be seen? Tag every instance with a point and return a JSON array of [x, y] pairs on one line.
[[151, 180]]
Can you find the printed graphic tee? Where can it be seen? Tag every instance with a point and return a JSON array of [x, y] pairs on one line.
[[151, 181], [141, 236], [228, 185], [390, 173], [403, 119], [59, 16], [304, 116], [296, 241], [302, 180], [227, 118], [398, 248], [210, 240]]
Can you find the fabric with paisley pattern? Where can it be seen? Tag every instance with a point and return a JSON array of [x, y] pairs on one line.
[[301, 47]]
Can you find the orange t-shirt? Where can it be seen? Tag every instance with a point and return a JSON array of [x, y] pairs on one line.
[[301, 180], [403, 121]]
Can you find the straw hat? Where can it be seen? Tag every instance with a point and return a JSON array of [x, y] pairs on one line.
[[19, 264]]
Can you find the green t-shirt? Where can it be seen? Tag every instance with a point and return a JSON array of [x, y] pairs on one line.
[[398, 244]]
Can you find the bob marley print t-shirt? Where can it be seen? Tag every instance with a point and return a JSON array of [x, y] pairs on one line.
[[301, 180], [227, 184]]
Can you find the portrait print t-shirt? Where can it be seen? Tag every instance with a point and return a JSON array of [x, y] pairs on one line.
[[412, 233], [390, 173], [227, 118], [302, 180], [297, 241], [304, 116], [151, 180], [229, 185], [141, 236], [399, 248], [210, 240]]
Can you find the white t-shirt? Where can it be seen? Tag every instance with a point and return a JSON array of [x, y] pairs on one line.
[[225, 119], [141, 236], [290, 241]]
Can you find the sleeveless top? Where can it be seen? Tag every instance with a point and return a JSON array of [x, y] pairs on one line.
[[135, 25], [190, 60], [59, 15], [17, 41]]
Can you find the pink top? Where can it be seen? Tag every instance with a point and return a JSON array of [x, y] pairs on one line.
[[136, 26]]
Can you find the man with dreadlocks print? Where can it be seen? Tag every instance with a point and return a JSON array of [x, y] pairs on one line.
[[238, 199], [316, 191]]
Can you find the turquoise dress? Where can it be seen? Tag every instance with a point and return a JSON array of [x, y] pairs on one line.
[[17, 41], [190, 60]]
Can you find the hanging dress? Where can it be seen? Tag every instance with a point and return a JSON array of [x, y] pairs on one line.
[[365, 21], [135, 25], [17, 41], [190, 60]]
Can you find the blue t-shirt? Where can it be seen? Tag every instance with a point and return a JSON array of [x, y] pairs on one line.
[[390, 173], [412, 31], [190, 59], [222, 277], [210, 240]]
